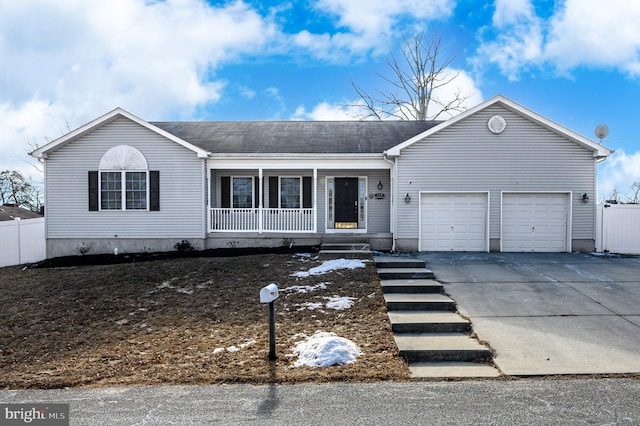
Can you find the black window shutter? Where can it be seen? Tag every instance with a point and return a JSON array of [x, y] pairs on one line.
[[93, 191], [225, 192], [256, 191], [273, 192], [154, 191], [307, 196]]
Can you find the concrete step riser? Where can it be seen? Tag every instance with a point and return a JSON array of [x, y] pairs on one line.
[[421, 306], [427, 275], [412, 289], [431, 327], [446, 355], [410, 263]]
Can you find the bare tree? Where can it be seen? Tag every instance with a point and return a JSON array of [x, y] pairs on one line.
[[613, 197], [17, 190], [634, 198], [418, 72]]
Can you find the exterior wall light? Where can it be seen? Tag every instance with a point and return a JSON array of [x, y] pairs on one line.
[[407, 198], [379, 185], [585, 198]]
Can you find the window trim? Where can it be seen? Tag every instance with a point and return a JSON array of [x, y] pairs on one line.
[[300, 192], [253, 195], [123, 190]]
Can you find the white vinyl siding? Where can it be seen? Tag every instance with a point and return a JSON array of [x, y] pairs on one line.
[[453, 222], [181, 214], [467, 157]]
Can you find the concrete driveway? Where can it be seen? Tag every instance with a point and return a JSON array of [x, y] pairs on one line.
[[548, 313]]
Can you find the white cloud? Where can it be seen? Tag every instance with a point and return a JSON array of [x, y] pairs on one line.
[[597, 33], [580, 32], [326, 111], [618, 172], [462, 85], [519, 39], [72, 61], [364, 24], [378, 16]]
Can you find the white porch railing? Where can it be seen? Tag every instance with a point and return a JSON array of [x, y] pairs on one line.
[[261, 220]]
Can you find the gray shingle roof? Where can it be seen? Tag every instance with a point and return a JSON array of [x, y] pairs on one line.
[[310, 137], [12, 212]]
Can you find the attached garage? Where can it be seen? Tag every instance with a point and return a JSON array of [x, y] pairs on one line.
[[454, 221], [535, 222]]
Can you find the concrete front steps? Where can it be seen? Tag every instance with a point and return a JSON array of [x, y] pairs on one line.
[[430, 335], [344, 250]]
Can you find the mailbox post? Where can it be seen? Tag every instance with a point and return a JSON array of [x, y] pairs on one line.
[[268, 295]]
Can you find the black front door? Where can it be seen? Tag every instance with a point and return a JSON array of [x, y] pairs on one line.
[[346, 202]]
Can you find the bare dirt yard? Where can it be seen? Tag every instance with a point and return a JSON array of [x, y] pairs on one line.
[[191, 320]]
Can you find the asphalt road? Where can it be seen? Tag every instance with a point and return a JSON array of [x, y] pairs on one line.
[[612, 401]]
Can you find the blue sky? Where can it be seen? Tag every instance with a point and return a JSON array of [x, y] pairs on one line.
[[66, 62]]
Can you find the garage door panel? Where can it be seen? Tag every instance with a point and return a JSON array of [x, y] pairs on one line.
[[453, 222], [535, 222]]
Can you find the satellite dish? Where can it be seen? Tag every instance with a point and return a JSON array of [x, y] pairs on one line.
[[601, 131]]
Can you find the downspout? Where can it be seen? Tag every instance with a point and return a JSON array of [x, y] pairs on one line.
[[392, 207]]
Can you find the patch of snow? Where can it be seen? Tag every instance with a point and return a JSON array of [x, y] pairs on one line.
[[331, 265], [307, 288], [122, 321], [339, 303], [166, 284], [304, 257], [233, 349], [204, 284], [311, 306], [247, 343], [218, 351], [325, 349]]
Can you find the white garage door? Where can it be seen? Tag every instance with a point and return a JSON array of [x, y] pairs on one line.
[[535, 222], [453, 222]]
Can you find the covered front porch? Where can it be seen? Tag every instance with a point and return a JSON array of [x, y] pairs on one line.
[[262, 220], [300, 201]]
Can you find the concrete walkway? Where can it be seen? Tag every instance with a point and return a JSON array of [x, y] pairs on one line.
[[546, 314]]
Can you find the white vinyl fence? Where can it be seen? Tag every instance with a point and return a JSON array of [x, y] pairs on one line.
[[22, 241], [618, 228]]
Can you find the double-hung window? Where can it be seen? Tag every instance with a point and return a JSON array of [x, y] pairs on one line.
[[124, 190], [123, 181], [290, 193], [242, 190]]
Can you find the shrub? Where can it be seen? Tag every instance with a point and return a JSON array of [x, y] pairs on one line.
[[183, 246]]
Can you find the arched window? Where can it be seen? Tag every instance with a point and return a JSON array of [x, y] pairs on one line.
[[123, 182]]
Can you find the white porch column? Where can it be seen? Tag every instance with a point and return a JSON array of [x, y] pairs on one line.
[[260, 201], [315, 199]]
